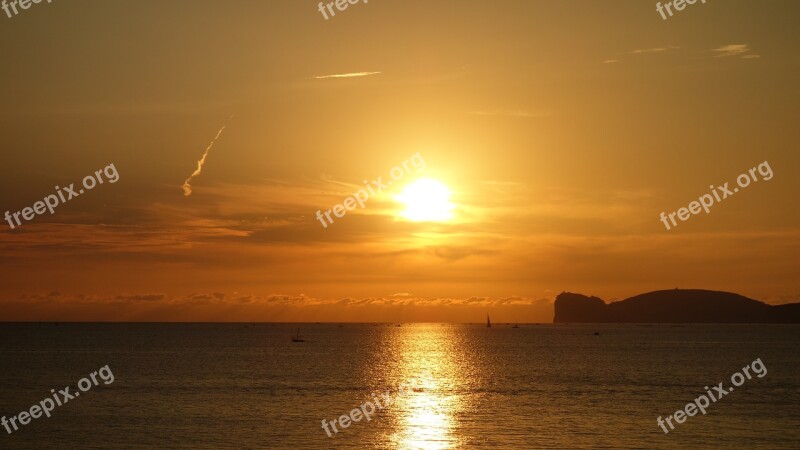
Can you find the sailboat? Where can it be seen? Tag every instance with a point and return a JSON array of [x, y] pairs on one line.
[[488, 322], [297, 337], [516, 325]]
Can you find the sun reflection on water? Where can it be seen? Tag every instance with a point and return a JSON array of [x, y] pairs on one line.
[[429, 362]]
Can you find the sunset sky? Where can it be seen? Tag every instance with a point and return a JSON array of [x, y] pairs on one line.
[[562, 130]]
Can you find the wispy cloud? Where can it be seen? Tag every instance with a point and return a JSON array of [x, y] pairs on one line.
[[641, 51], [742, 50], [347, 75], [187, 188], [655, 49], [237, 306]]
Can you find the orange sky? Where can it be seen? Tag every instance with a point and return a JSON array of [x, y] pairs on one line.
[[562, 129]]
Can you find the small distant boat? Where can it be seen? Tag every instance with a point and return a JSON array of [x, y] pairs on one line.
[[297, 337], [597, 333], [516, 325], [488, 322]]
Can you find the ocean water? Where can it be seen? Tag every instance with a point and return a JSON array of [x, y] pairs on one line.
[[536, 386]]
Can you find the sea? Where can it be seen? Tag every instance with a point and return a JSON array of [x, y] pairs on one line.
[[440, 386]]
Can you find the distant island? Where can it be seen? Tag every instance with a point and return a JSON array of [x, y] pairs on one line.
[[673, 306]]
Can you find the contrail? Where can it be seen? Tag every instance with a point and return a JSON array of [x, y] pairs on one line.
[[347, 75], [187, 188]]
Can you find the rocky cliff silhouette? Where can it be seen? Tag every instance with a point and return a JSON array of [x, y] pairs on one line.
[[673, 306]]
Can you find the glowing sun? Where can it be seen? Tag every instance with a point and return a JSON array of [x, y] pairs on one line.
[[426, 200]]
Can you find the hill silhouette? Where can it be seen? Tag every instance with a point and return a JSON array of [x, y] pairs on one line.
[[673, 306]]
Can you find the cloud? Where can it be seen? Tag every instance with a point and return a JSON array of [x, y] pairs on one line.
[[298, 300], [187, 188], [643, 51], [141, 298], [347, 75], [454, 253], [734, 50], [655, 49]]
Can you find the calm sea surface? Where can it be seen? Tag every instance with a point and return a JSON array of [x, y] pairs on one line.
[[537, 386]]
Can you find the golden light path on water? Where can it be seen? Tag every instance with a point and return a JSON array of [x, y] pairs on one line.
[[428, 360]]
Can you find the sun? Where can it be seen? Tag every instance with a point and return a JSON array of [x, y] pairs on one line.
[[426, 200]]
